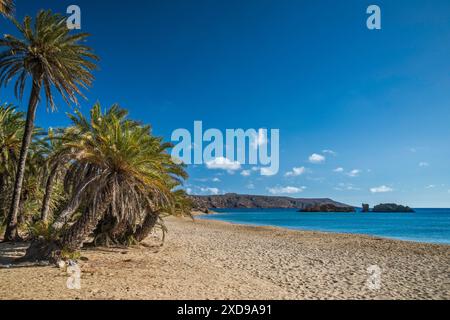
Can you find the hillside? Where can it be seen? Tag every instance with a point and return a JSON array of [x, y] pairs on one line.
[[233, 200]]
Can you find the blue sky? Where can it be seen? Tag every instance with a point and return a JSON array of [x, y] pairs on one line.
[[380, 100]]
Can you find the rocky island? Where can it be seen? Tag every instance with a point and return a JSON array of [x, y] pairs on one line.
[[327, 207], [391, 207]]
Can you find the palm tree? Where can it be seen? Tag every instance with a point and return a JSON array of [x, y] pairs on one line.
[[120, 176], [123, 230], [7, 7], [130, 167], [52, 58], [81, 127]]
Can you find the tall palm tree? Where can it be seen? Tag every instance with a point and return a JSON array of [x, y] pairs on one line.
[[129, 165], [72, 135], [52, 58], [7, 7]]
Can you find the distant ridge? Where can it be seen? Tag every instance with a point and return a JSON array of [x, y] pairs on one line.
[[234, 200]]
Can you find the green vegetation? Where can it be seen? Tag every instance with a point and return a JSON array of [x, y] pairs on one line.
[[52, 58], [105, 179]]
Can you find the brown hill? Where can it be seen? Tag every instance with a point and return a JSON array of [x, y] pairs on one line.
[[233, 200]]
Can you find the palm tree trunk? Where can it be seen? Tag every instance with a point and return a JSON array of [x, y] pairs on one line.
[[2, 195], [74, 237], [110, 230], [2, 182], [11, 233], [48, 193], [72, 206], [147, 226], [21, 214]]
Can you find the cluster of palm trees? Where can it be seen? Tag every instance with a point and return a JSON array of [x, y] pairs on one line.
[[104, 179]]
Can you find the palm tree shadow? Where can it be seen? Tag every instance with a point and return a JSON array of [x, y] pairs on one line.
[[154, 247], [120, 248], [9, 252]]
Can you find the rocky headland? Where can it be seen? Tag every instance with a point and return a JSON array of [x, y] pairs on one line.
[[235, 201]]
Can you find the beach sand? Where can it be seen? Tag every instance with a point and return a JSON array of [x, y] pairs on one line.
[[218, 260]]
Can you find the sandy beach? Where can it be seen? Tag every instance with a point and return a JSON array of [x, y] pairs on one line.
[[217, 260]]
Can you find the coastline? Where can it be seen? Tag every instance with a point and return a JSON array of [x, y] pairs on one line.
[[205, 259]]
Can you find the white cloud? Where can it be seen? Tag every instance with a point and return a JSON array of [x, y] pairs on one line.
[[285, 190], [430, 186], [207, 179], [266, 171], [339, 169], [346, 186], [223, 164], [295, 172], [424, 164], [189, 190], [354, 173], [250, 186], [316, 158], [210, 190], [245, 173], [381, 189], [333, 153]]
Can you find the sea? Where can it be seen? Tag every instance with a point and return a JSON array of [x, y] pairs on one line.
[[424, 225]]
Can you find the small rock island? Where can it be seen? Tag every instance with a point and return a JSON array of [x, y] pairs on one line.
[[327, 207]]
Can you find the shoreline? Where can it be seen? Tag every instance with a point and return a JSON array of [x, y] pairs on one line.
[[208, 259]]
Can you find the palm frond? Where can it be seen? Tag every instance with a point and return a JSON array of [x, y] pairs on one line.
[[7, 7]]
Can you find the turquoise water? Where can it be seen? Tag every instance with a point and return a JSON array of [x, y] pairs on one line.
[[425, 225]]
